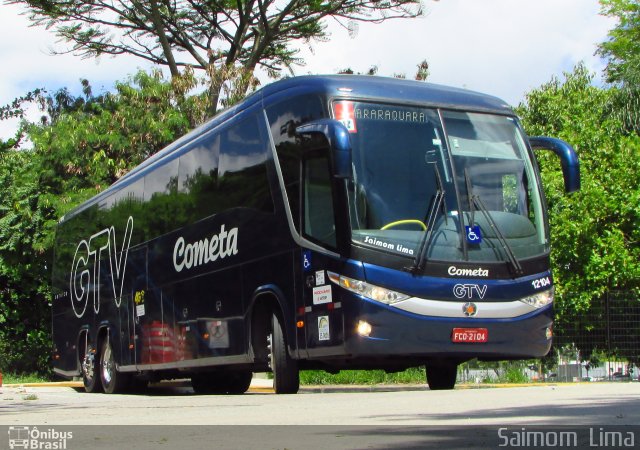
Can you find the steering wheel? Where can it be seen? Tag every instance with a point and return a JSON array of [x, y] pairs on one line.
[[405, 222]]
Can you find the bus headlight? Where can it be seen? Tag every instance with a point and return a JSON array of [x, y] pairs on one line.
[[377, 293], [540, 299]]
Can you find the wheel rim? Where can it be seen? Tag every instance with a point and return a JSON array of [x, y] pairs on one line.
[[87, 367], [107, 366]]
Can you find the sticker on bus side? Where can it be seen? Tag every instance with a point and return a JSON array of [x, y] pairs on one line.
[[322, 294], [323, 328], [345, 112]]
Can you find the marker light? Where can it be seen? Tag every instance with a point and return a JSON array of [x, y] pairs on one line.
[[365, 289], [540, 299], [363, 328]]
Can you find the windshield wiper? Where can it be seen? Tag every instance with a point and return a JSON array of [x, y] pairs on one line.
[[476, 202], [437, 202]]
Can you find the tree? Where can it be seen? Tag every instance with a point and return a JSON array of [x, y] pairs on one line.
[[622, 50], [226, 39], [85, 144], [595, 233], [422, 72]]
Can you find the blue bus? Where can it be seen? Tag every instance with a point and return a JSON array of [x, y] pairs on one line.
[[325, 222]]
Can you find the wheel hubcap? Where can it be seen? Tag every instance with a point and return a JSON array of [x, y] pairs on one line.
[[107, 366]]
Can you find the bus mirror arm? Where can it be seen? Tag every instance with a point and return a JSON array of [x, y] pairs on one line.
[[339, 142], [568, 159]]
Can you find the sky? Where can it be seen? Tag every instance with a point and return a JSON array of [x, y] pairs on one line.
[[504, 48]]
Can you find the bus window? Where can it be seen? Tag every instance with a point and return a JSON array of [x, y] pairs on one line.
[[162, 181], [284, 117], [160, 195], [198, 178], [319, 219], [242, 171]]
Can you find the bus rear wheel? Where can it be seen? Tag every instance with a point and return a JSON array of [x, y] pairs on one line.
[[286, 377], [442, 376], [112, 380], [90, 377]]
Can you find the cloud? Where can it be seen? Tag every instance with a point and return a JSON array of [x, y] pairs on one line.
[[501, 47], [27, 64]]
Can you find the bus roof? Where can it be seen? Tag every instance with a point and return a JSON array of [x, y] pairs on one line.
[[387, 89], [373, 88], [348, 86]]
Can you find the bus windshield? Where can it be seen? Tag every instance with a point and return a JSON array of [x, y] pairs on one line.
[[443, 185]]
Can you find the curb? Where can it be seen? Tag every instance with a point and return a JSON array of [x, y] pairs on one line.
[[266, 386]]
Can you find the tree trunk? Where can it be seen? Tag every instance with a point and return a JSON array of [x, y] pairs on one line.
[[162, 37]]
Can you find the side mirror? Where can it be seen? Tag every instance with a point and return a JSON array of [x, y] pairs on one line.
[[339, 144], [568, 159]]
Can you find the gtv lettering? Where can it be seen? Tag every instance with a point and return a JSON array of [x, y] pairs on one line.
[[468, 291], [84, 281]]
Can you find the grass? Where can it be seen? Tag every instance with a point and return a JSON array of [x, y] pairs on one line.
[[366, 377], [12, 378]]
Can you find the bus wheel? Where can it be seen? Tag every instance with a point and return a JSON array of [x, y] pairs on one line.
[[441, 376], [221, 382], [206, 383], [90, 372], [112, 380], [238, 381], [286, 378]]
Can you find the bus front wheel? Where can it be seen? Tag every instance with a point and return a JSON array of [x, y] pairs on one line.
[[442, 376], [222, 382], [286, 377]]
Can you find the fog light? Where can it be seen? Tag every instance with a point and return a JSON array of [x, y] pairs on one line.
[[363, 328]]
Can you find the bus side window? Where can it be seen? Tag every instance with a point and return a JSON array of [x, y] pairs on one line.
[[319, 219], [284, 117], [242, 170], [160, 196], [198, 178]]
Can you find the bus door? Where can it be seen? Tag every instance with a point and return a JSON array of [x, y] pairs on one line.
[[323, 313]]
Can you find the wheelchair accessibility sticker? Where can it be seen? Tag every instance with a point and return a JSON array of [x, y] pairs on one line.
[[306, 260], [474, 235]]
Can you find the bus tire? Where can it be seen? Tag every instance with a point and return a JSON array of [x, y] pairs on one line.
[[286, 377], [112, 380], [221, 382], [207, 383], [442, 376], [90, 369], [238, 381]]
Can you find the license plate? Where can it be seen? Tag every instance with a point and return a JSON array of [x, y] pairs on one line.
[[470, 335]]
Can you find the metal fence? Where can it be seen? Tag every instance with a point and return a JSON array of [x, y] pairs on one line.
[[602, 344], [611, 325]]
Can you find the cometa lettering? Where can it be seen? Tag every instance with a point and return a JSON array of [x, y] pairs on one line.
[[479, 272], [205, 251]]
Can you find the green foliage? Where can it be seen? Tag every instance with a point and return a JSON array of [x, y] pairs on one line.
[[226, 40], [622, 51], [24, 316], [414, 375], [87, 144], [595, 233], [622, 48], [24, 378], [514, 374]]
